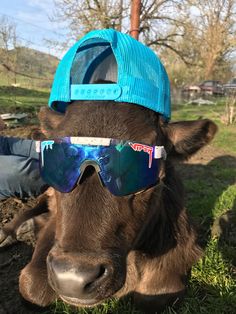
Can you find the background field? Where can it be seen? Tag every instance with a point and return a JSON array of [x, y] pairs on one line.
[[209, 179]]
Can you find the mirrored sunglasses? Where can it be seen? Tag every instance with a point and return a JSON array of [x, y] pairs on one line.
[[124, 167]]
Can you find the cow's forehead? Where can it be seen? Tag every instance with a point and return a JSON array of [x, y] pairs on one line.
[[109, 119]]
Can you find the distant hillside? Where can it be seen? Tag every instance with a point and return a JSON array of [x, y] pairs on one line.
[[27, 67]]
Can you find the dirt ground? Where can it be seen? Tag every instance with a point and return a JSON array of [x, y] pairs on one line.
[[14, 258]]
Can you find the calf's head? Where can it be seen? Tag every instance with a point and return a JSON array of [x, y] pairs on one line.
[[95, 230]]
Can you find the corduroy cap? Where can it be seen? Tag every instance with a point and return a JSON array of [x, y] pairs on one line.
[[134, 72]]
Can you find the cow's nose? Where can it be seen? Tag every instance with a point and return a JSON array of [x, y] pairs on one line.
[[79, 282]]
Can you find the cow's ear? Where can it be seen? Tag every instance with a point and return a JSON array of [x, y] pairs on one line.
[[49, 120], [187, 137]]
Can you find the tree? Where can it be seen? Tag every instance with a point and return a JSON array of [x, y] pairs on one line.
[[161, 25], [199, 35], [8, 41], [211, 35], [156, 19], [85, 15], [7, 33]]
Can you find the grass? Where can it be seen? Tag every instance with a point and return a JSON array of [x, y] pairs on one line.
[[225, 138], [210, 190], [112, 306], [18, 99], [213, 282], [212, 287]]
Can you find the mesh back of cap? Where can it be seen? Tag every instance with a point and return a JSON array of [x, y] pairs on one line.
[[106, 70], [92, 62], [138, 74]]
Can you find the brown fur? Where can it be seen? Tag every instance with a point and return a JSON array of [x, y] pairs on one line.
[[146, 240]]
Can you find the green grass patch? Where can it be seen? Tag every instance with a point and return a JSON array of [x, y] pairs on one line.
[[225, 138], [212, 287], [17, 99], [112, 306]]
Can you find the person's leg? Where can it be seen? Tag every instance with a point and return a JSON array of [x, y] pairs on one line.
[[19, 177]]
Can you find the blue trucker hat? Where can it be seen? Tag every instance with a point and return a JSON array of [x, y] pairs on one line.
[[133, 71]]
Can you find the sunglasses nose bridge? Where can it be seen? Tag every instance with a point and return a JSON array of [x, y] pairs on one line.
[[88, 163], [85, 165]]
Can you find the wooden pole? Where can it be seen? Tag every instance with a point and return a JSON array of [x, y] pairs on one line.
[[135, 18]]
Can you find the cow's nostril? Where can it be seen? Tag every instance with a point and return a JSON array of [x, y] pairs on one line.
[[89, 275], [100, 271], [100, 274]]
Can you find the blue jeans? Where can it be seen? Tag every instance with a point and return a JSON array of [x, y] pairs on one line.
[[19, 168]]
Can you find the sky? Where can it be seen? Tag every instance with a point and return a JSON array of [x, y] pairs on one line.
[[33, 25]]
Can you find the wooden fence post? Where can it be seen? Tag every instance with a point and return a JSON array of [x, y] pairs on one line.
[[135, 18]]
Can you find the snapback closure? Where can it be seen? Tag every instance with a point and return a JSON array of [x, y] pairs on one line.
[[95, 91]]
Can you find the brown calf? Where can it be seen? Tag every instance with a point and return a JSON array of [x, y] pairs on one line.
[[96, 245]]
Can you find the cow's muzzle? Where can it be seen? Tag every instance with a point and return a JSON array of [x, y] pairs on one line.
[[82, 279]]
